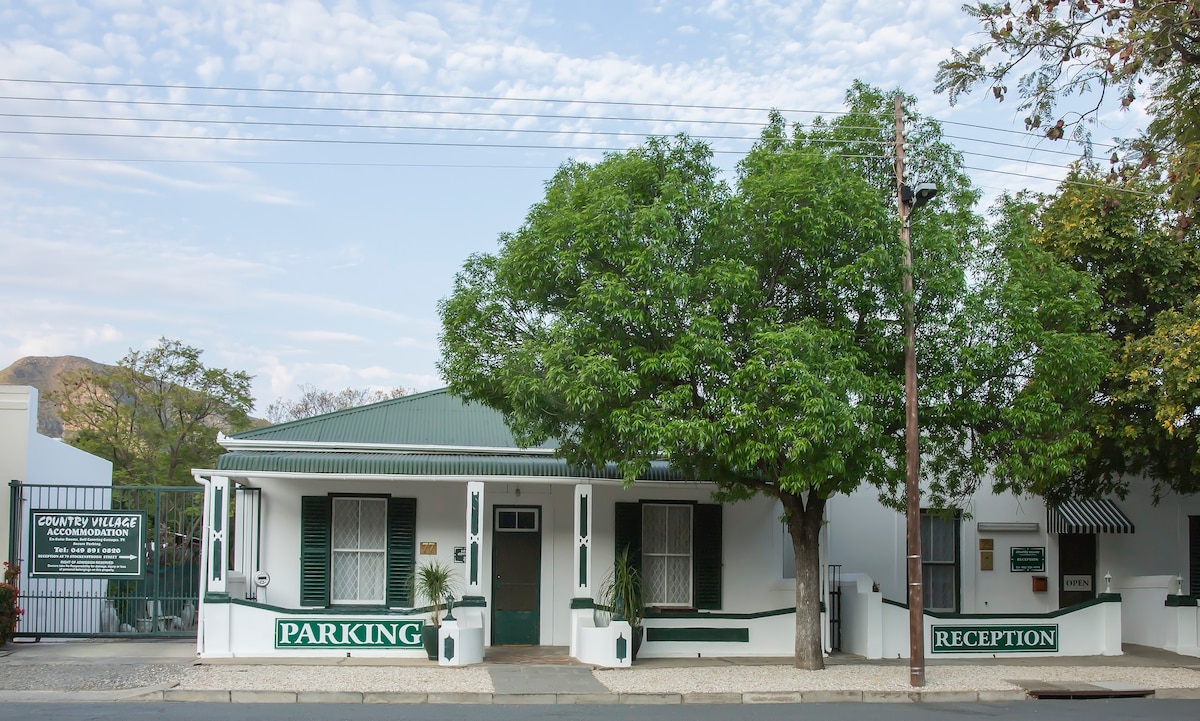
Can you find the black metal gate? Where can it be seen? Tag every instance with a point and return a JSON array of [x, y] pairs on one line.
[[162, 602], [835, 607]]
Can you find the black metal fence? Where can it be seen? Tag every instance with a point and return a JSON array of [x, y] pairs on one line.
[[162, 602]]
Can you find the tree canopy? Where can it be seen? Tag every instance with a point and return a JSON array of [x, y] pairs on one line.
[[749, 334], [1112, 243], [315, 401], [1108, 53], [155, 414]]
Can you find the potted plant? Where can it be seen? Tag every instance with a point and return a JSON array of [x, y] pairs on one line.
[[10, 612], [435, 586], [621, 592]]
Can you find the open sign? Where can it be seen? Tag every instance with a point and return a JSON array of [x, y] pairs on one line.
[[1076, 583]]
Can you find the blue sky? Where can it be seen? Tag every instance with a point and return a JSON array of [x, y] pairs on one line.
[[322, 262]]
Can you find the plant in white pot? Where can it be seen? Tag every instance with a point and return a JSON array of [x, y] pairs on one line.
[[621, 593], [434, 585]]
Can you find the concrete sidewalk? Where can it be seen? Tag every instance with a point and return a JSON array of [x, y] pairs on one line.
[[524, 678]]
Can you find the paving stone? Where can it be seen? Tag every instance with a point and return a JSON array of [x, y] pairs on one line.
[[947, 696], [651, 698], [771, 697], [887, 696], [444, 697], [588, 698], [329, 697], [393, 697], [831, 696], [193, 695], [262, 696], [712, 698], [998, 696], [1177, 693], [524, 698]]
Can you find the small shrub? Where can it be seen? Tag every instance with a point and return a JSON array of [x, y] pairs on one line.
[[10, 612]]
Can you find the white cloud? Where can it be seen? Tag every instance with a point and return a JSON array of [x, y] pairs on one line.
[[322, 336]]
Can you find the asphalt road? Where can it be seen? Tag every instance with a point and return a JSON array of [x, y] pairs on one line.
[[1114, 710]]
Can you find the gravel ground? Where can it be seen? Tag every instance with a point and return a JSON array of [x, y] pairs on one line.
[[88, 677], [875, 678], [397, 679], [401, 679]]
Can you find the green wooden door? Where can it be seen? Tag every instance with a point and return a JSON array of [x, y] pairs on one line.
[[516, 575]]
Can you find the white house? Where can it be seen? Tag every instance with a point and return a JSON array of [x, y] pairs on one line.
[[314, 528]]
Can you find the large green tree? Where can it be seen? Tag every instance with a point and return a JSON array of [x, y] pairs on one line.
[[1090, 55], [155, 414], [751, 335], [1111, 244]]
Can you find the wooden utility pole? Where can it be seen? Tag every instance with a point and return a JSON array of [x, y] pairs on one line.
[[912, 478]]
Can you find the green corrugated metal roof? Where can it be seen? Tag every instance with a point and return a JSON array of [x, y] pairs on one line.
[[425, 464], [435, 418]]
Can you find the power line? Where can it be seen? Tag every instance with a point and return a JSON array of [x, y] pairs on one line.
[[489, 98], [424, 96], [354, 126], [275, 162], [406, 111], [536, 131]]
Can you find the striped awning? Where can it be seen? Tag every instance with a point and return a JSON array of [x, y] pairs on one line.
[[1087, 516]]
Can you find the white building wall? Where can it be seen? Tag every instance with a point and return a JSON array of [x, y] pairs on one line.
[[867, 537], [752, 580], [1159, 544], [18, 422], [51, 605]]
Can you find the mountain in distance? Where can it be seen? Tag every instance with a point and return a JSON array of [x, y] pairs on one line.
[[45, 373]]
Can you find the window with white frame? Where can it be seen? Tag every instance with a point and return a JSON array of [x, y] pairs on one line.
[[939, 561], [667, 554], [359, 550]]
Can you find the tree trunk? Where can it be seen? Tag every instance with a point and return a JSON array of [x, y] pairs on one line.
[[804, 525]]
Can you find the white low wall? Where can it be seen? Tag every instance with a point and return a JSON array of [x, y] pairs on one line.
[[1145, 620], [600, 645], [231, 630], [862, 617], [1185, 627], [882, 629], [693, 635], [466, 634]]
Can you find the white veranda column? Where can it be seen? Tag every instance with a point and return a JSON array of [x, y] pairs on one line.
[[473, 583], [217, 510], [583, 541]]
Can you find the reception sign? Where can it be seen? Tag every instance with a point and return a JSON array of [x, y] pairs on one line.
[[87, 544], [1027, 559], [314, 633], [994, 639]]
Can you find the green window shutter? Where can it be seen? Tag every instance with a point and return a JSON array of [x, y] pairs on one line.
[[706, 555], [316, 515], [401, 550], [627, 529]]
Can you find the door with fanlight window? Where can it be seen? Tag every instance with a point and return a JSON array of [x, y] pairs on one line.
[[516, 575]]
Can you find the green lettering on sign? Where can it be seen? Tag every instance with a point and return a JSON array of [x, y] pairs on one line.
[[312, 633], [994, 639]]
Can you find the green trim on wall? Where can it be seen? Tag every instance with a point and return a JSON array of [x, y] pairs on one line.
[[1102, 598], [727, 635], [466, 602], [579, 603], [1182, 601], [706, 614]]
